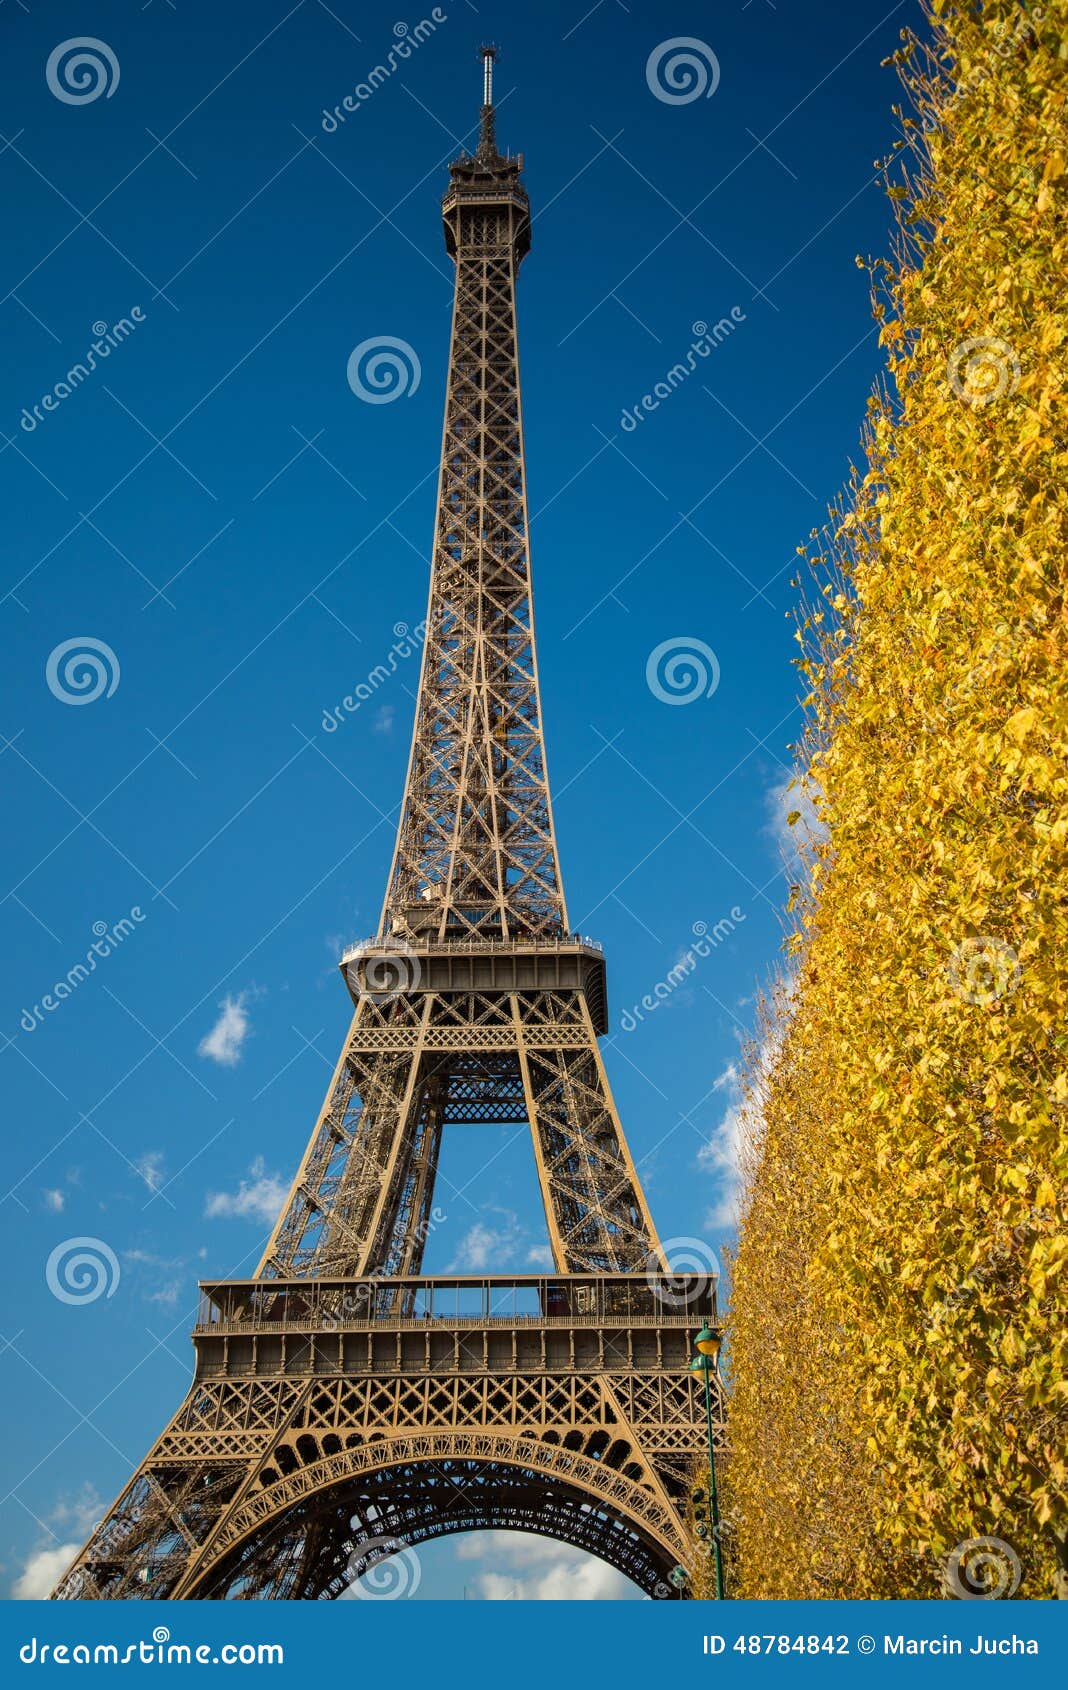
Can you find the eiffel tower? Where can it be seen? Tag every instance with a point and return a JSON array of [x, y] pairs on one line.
[[346, 1408]]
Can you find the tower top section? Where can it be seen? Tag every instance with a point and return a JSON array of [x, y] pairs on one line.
[[487, 141], [487, 178]]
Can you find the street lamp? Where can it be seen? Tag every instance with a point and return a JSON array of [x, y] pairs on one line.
[[706, 1363]]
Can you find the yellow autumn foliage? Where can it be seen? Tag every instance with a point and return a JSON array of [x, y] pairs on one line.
[[899, 1321], [701, 1535]]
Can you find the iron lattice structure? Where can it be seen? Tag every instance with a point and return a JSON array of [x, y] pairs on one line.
[[343, 1406]]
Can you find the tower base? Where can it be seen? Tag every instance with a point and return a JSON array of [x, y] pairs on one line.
[[335, 1424]]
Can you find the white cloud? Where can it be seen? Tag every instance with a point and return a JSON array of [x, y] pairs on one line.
[[488, 1246], [167, 1295], [476, 1247], [573, 1578], [540, 1257], [150, 1167], [721, 1156], [80, 1511], [55, 1201], [783, 800], [44, 1567], [257, 1198], [735, 1144], [77, 1514], [537, 1569], [223, 1044], [383, 722], [163, 1278]]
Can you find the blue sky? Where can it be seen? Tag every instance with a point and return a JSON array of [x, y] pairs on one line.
[[217, 508]]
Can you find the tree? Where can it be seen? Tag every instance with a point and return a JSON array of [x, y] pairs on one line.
[[899, 1326]]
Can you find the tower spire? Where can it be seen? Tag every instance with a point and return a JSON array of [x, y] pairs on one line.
[[487, 140]]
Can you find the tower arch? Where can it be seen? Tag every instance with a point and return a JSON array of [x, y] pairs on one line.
[[313, 1535]]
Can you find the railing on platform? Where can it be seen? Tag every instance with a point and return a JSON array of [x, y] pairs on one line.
[[653, 1299], [503, 947]]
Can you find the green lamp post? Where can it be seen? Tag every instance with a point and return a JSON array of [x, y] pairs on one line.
[[706, 1362]]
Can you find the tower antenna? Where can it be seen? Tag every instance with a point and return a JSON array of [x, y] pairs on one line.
[[487, 141]]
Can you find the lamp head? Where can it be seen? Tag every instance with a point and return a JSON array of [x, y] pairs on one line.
[[708, 1343]]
